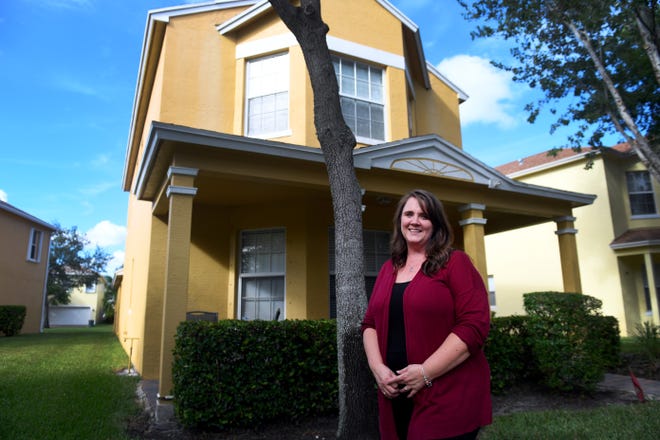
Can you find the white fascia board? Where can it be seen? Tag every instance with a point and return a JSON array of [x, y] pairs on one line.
[[461, 94], [398, 14], [164, 15], [635, 244], [24, 215], [433, 147], [161, 132], [238, 20], [548, 165]]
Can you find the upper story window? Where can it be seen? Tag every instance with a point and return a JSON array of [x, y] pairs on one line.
[[267, 94], [640, 193], [262, 275], [34, 247], [361, 95]]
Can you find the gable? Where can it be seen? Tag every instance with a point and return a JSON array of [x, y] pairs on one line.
[[433, 156]]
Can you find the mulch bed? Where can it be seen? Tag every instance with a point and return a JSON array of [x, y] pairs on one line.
[[526, 397]]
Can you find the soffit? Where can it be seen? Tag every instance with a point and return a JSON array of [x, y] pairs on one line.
[[236, 170]]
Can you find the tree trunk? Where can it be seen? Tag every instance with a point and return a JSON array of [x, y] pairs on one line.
[[357, 396], [648, 29]]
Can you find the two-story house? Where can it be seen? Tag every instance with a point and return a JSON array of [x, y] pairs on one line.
[[25, 243], [618, 240], [85, 306], [229, 207]]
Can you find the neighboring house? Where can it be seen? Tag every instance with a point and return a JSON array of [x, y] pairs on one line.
[[618, 240], [229, 208], [24, 247], [85, 306]]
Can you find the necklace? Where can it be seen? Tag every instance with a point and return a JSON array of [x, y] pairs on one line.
[[412, 268]]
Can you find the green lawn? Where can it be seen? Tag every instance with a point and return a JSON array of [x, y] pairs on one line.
[[62, 385], [639, 421]]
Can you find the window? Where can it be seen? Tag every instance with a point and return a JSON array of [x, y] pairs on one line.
[[640, 193], [376, 252], [361, 95], [647, 290], [34, 247], [267, 94], [491, 292], [262, 272], [90, 287]]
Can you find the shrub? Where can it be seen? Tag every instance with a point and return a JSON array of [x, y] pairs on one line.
[[509, 352], [647, 337], [246, 373], [571, 342], [12, 319]]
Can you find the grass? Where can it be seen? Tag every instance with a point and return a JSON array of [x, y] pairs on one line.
[[634, 421], [62, 385]]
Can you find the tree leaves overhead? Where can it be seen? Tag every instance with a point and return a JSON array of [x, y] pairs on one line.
[[599, 56]]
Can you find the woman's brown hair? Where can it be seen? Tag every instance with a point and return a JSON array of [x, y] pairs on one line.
[[439, 246]]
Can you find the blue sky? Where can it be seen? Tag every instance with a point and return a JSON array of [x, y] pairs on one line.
[[68, 71]]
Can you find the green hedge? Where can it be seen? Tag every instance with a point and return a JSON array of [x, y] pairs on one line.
[[509, 352], [572, 344], [233, 374], [244, 374], [12, 319]]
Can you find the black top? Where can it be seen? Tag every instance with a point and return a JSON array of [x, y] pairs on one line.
[[396, 338]]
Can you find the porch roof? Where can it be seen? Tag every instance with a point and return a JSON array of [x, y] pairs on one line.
[[227, 162]]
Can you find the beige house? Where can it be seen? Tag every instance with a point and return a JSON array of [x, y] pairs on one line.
[[24, 263], [618, 241], [85, 306], [229, 208]]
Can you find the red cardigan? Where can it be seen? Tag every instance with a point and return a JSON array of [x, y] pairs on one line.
[[453, 300]]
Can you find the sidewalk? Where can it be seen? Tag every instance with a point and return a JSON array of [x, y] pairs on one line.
[[162, 411], [617, 382]]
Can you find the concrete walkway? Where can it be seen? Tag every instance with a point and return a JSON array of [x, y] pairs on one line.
[[617, 382]]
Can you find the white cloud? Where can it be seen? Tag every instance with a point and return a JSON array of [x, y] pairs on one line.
[[99, 188], [65, 4], [3, 196], [115, 262], [491, 90], [105, 234]]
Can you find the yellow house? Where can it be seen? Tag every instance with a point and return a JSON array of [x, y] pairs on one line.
[[229, 207], [85, 306], [618, 241], [24, 263]]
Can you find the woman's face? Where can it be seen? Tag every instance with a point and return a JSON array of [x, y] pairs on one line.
[[416, 227]]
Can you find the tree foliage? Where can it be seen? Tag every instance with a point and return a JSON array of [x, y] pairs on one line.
[[357, 414], [71, 263], [600, 56]]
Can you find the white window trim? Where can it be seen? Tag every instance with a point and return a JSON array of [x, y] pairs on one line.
[[239, 302], [38, 246], [246, 125], [384, 103], [655, 214], [281, 42]]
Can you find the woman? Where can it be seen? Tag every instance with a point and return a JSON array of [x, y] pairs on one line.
[[424, 330]]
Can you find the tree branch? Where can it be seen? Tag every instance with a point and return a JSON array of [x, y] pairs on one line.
[[645, 19]]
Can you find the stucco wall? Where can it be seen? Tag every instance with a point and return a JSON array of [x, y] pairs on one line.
[[527, 260], [22, 282]]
